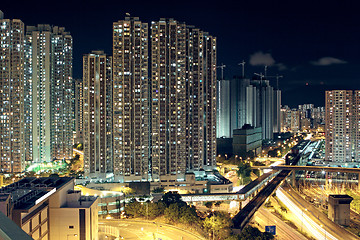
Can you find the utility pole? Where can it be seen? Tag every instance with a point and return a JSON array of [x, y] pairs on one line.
[[222, 66], [243, 68]]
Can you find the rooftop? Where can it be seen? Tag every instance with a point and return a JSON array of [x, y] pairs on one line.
[[28, 191], [340, 196], [83, 202]]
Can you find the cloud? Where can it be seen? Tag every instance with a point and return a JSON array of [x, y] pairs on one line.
[[260, 58], [326, 61], [265, 59], [281, 66]]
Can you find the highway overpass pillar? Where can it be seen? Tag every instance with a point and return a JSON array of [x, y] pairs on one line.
[[293, 178]]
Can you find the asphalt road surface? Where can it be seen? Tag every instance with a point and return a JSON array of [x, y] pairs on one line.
[[313, 221], [283, 231], [143, 230]]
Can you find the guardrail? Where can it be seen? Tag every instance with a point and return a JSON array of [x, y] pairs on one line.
[[109, 230]]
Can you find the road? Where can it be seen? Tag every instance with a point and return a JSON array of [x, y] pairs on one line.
[[307, 217], [244, 216], [283, 231], [144, 230]]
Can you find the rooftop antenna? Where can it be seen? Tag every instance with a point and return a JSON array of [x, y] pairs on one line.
[[222, 66], [243, 68]]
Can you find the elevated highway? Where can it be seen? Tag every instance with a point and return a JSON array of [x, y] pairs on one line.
[[244, 216]]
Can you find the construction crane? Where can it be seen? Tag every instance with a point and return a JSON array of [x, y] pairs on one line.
[[222, 66], [277, 79], [260, 75], [243, 68], [265, 70]]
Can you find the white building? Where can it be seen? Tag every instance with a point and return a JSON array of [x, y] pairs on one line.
[[48, 71], [223, 109], [49, 208]]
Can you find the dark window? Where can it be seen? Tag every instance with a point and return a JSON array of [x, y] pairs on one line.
[[71, 227]]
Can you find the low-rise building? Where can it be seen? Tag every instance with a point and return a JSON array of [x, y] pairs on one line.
[[339, 209], [49, 208], [247, 139]]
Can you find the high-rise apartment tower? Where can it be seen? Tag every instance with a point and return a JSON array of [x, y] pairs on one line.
[[97, 83], [341, 125], [131, 100], [48, 73], [12, 150], [78, 108]]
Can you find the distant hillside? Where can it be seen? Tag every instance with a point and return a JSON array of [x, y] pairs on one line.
[[308, 94]]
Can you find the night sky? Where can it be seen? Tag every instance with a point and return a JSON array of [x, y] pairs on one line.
[[314, 44]]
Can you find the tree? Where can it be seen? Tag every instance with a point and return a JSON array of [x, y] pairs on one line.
[[172, 213], [244, 170], [208, 205], [218, 224], [217, 204], [158, 190], [172, 197], [134, 209], [254, 233], [188, 215], [232, 237], [152, 210]]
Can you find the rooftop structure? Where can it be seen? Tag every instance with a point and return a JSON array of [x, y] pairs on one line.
[[49, 208]]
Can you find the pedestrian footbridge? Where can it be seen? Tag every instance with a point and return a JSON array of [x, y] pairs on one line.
[[249, 190]]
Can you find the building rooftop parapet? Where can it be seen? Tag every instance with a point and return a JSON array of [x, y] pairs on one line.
[[82, 202], [30, 191]]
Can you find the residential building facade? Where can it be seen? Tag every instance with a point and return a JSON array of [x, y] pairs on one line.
[[12, 127], [131, 138], [49, 86], [164, 123], [78, 109], [252, 101], [97, 91], [341, 107]]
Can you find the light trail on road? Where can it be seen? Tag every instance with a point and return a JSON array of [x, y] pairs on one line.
[[313, 228]]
